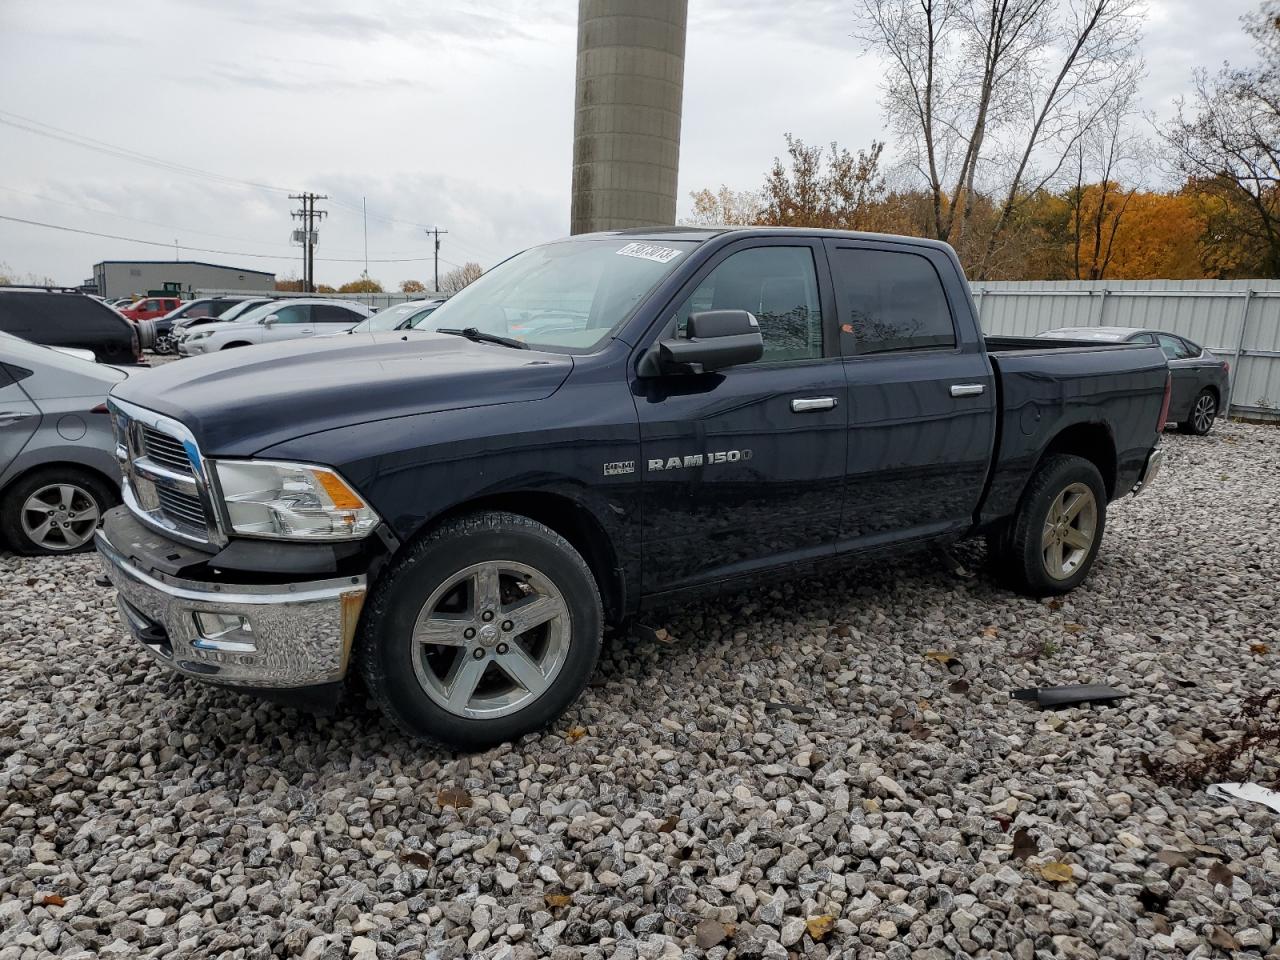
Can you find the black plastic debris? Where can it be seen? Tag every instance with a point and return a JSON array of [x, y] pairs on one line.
[[1067, 695]]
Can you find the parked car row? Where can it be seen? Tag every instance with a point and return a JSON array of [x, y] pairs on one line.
[[273, 322]]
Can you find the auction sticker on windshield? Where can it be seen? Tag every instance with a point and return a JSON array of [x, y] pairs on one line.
[[650, 251]]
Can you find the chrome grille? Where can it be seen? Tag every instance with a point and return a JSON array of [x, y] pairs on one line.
[[164, 477], [165, 450]]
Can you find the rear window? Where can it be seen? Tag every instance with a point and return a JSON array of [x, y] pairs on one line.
[[889, 301]]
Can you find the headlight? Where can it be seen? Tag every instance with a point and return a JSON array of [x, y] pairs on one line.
[[199, 336], [291, 501]]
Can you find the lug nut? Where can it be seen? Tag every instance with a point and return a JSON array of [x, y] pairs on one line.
[[507, 625], [479, 654], [487, 616], [469, 632], [502, 649]]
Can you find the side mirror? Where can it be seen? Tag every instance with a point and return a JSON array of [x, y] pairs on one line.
[[271, 320], [713, 340]]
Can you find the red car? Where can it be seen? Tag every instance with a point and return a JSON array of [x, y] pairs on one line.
[[148, 308]]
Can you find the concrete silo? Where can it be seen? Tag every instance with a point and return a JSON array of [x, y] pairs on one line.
[[626, 126]]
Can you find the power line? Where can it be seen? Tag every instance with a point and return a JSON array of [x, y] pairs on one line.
[[308, 215], [225, 253]]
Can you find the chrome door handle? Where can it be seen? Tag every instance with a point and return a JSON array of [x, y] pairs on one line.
[[805, 404], [8, 417], [968, 389]]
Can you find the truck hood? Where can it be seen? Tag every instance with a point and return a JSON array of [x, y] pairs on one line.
[[238, 402]]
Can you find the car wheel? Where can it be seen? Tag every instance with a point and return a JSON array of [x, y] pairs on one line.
[[1055, 534], [55, 510], [487, 629], [163, 344], [1203, 412]]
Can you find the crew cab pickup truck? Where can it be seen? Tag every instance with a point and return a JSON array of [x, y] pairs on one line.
[[456, 514]]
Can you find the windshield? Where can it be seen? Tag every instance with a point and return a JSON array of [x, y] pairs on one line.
[[392, 318], [568, 296]]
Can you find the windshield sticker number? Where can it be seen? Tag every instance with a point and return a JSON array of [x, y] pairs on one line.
[[649, 251]]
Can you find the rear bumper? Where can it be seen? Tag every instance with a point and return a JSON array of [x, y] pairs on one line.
[[1155, 460], [269, 636]]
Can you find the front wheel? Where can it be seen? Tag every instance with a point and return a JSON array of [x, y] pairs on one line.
[[1203, 412], [487, 629], [55, 510], [1054, 537]]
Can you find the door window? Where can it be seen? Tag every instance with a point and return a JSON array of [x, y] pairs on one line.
[[293, 313], [1143, 338], [890, 300], [779, 287], [324, 313], [1174, 348]]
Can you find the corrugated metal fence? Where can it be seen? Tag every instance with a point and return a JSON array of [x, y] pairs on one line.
[[1239, 320]]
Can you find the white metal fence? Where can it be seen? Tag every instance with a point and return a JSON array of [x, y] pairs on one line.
[[1239, 320]]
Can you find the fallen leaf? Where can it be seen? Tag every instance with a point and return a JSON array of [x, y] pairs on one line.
[[941, 656], [991, 632], [1223, 939], [843, 630], [417, 858], [1159, 924], [575, 733], [1173, 858], [1023, 845], [1261, 649], [1054, 604], [53, 900], [668, 825], [662, 636], [557, 900], [1072, 627], [920, 732], [454, 797], [1221, 873], [820, 926], [1005, 822], [1057, 871], [960, 686], [709, 933]]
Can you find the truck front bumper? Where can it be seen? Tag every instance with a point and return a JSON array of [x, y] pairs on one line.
[[264, 636]]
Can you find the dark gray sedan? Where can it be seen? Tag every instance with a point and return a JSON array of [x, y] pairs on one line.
[[1199, 378]]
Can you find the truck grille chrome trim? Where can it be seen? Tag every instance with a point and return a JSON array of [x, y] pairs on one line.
[[166, 481]]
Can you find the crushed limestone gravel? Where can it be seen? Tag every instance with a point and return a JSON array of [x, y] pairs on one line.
[[790, 774]]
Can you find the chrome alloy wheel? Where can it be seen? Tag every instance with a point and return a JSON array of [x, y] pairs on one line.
[[491, 639], [1203, 413], [1069, 530], [60, 517]]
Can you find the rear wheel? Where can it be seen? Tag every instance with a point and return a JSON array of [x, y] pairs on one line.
[[1203, 412], [1053, 539], [486, 630], [55, 510]]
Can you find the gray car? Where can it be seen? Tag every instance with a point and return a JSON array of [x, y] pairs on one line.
[[58, 468], [1200, 379]]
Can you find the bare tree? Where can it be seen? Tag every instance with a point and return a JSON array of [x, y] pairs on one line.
[[1228, 143], [992, 95], [725, 207], [459, 277]]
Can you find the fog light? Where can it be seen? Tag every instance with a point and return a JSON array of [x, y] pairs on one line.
[[229, 632]]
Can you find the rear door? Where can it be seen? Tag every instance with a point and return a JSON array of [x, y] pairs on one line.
[[742, 468], [19, 417], [921, 394], [333, 318]]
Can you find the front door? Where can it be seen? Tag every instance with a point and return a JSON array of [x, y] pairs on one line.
[[1184, 373], [19, 418], [921, 394], [743, 468], [293, 320]]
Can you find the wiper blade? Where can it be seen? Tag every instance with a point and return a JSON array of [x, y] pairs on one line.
[[479, 336]]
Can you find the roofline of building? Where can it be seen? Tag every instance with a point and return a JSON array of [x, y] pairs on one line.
[[189, 263]]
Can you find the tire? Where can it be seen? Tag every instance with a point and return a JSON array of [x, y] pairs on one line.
[[1029, 550], [449, 573], [88, 495], [164, 344], [1204, 410]]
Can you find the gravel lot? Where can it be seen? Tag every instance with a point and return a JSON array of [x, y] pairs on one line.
[[789, 756]]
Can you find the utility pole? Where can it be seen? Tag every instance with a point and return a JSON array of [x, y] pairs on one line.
[[436, 233], [308, 215]]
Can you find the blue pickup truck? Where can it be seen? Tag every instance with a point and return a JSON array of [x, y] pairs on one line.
[[456, 512]]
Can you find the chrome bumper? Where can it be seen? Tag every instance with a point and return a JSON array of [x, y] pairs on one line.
[[1155, 460], [298, 634]]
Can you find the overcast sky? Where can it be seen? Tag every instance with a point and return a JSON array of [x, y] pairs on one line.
[[457, 114]]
